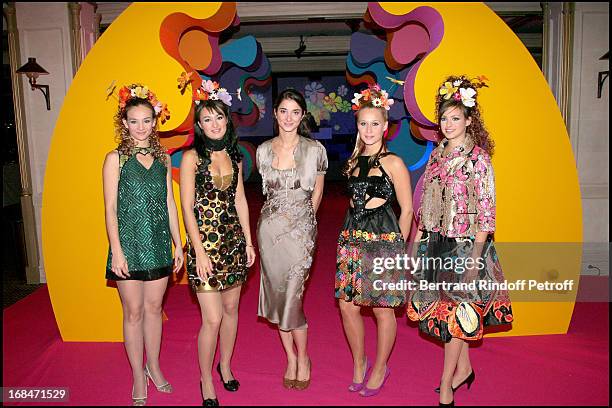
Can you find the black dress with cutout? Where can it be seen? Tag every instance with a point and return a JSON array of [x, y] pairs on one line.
[[367, 234]]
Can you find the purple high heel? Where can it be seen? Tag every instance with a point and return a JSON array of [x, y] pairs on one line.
[[370, 392], [354, 387]]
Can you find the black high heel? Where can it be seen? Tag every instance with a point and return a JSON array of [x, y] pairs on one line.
[[231, 385], [468, 380], [450, 404], [208, 402]]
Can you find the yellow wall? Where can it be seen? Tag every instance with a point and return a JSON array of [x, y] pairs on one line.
[[538, 195], [537, 186], [74, 235]]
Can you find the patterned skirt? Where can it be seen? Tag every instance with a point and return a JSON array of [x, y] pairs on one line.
[[448, 312], [360, 278]]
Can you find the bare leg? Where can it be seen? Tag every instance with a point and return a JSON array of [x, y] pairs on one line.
[[353, 328], [132, 301], [227, 332], [464, 366], [452, 350], [300, 338], [212, 311], [153, 297], [287, 340], [386, 330]]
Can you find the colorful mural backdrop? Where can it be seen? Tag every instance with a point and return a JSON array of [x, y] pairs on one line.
[[537, 186]]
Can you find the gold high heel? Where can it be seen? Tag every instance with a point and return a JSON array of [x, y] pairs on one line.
[[167, 388], [139, 402]]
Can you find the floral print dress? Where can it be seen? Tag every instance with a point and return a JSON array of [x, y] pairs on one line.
[[458, 202]]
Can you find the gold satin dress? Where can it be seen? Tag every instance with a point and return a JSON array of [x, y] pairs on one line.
[[286, 232]]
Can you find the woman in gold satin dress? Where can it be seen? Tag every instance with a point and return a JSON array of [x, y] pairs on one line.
[[292, 167]]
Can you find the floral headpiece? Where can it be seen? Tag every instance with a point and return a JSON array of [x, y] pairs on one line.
[[462, 89], [373, 97], [213, 91], [139, 91]]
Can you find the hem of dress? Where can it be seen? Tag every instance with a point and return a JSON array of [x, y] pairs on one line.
[[344, 298], [195, 290], [276, 322], [142, 275]]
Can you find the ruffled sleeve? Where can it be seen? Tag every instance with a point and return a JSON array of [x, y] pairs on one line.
[[484, 190], [321, 159], [311, 161], [261, 160]]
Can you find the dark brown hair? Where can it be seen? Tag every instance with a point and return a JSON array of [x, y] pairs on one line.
[[476, 130]]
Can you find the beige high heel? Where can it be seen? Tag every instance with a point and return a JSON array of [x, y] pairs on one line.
[[167, 388], [139, 402]]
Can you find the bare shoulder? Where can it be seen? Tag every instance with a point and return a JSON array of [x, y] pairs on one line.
[[190, 156], [111, 158], [393, 162]]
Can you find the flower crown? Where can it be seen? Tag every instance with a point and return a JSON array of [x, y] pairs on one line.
[[462, 89], [140, 91], [212, 90], [373, 97]]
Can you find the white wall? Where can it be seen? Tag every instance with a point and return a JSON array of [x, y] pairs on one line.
[[44, 33], [589, 126]]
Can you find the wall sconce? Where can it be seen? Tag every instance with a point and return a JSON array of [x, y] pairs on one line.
[[32, 70], [301, 48], [602, 75]]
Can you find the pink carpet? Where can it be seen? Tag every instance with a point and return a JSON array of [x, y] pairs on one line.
[[570, 369]]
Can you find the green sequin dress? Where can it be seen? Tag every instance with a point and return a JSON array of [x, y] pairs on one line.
[[142, 215]]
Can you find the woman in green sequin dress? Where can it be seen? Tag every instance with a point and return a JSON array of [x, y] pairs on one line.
[[219, 247], [141, 221]]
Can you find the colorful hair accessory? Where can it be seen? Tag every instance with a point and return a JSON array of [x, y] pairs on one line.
[[212, 90], [184, 80], [462, 89], [138, 91], [373, 97]]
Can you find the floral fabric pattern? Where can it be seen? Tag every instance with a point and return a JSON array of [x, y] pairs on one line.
[[458, 192]]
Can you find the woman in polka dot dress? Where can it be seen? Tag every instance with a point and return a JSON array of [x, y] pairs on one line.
[[219, 247]]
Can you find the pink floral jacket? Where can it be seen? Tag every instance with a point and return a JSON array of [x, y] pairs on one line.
[[458, 192]]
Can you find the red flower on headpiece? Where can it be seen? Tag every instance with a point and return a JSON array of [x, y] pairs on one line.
[[124, 95]]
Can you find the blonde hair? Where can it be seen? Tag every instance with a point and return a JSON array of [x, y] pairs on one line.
[[351, 163]]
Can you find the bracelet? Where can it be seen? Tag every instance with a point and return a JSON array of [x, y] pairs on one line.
[[251, 246]]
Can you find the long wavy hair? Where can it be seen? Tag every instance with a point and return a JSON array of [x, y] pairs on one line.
[[199, 140], [476, 130], [122, 134], [351, 163], [306, 124]]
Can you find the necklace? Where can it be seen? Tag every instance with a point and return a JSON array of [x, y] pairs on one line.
[[142, 150]]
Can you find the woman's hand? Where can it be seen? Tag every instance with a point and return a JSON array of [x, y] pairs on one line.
[[178, 259], [119, 265], [250, 253], [203, 266]]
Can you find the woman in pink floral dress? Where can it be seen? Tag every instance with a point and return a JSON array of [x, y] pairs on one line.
[[455, 236]]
